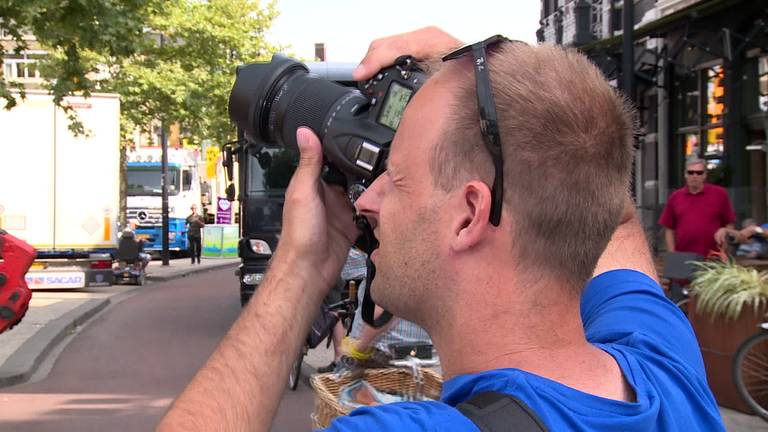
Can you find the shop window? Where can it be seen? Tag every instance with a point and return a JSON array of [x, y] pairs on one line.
[[762, 70], [692, 99], [691, 144], [701, 132], [186, 180], [715, 95]]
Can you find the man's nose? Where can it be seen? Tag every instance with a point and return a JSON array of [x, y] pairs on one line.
[[368, 203]]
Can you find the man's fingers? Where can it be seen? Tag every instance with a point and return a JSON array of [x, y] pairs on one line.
[[310, 155], [422, 44], [376, 59]]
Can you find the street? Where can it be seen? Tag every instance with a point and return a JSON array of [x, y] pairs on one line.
[[123, 369]]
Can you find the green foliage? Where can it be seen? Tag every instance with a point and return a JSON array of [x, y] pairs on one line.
[[79, 34], [184, 72], [724, 289], [114, 46]]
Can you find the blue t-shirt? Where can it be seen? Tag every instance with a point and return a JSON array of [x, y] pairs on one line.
[[626, 314]]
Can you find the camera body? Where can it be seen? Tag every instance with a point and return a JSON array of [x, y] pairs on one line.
[[270, 101]]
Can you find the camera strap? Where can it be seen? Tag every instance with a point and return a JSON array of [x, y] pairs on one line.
[[368, 306], [368, 243], [496, 412]]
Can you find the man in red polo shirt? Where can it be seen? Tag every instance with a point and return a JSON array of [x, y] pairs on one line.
[[698, 215]]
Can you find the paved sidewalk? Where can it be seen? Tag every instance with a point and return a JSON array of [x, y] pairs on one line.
[[182, 267], [55, 314]]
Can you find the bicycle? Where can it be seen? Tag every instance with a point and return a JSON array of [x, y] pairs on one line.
[[750, 371], [322, 328]]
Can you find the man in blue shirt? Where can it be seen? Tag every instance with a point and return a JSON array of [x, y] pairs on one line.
[[503, 300]]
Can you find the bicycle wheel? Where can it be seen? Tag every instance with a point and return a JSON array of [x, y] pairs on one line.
[[750, 373], [295, 373]]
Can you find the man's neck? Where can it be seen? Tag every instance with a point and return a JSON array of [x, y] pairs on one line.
[[541, 334], [695, 190]]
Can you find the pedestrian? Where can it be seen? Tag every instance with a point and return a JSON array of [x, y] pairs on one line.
[[699, 215], [195, 224], [545, 292]]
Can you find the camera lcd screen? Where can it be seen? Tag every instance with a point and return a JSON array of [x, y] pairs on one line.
[[394, 105]]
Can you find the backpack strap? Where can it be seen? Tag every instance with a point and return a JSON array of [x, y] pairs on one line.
[[496, 412]]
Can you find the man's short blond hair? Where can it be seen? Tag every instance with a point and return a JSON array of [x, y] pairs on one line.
[[567, 144]]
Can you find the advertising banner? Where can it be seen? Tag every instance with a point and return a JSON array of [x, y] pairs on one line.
[[223, 211]]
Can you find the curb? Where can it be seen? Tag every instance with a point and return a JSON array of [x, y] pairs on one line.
[[18, 368], [22, 364], [188, 272]]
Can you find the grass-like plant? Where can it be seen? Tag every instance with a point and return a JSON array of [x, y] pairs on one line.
[[723, 289]]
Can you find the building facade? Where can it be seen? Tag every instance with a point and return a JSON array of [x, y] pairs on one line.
[[21, 67], [701, 74]]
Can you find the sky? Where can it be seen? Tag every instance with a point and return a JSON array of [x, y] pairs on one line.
[[347, 26]]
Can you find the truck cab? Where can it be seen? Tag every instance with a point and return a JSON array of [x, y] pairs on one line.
[[144, 196]]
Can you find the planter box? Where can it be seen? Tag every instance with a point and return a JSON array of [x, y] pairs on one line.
[[719, 341]]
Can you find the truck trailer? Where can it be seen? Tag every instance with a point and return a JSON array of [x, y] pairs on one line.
[[60, 192]]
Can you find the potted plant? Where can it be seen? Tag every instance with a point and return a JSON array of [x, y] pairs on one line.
[[728, 302]]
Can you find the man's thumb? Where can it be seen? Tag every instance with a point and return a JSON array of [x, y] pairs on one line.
[[310, 151]]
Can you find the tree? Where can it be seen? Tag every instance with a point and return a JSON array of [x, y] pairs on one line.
[[184, 73], [79, 35]]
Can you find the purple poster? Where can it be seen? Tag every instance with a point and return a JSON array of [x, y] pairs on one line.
[[223, 211]]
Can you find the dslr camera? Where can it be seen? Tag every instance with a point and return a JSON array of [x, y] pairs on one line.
[[269, 101]]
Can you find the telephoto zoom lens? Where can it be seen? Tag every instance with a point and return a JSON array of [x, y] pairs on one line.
[[269, 101]]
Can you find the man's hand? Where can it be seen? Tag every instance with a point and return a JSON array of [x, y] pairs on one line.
[[239, 388], [747, 233], [720, 236], [421, 44], [318, 220]]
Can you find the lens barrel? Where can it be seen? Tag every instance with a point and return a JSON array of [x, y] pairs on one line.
[[269, 101]]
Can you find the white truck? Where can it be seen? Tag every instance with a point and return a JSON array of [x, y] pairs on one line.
[[59, 192], [145, 195]]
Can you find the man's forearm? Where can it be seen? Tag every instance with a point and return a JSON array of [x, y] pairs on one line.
[[627, 249], [669, 238], [239, 388]]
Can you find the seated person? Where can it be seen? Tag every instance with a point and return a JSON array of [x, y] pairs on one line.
[[128, 236], [751, 239]]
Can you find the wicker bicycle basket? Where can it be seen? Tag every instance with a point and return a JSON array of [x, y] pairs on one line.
[[391, 380]]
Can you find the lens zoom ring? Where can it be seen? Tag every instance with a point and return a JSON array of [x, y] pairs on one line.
[[309, 106]]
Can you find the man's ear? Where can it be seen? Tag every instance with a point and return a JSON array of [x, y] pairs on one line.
[[471, 221]]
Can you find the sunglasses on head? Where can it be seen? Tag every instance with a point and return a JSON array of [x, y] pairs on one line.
[[695, 172], [488, 120]]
